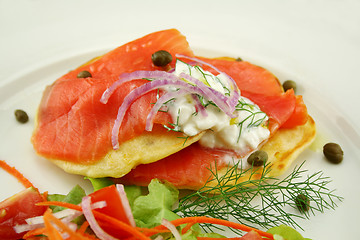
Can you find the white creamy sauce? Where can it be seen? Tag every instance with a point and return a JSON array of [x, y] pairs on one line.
[[243, 133]]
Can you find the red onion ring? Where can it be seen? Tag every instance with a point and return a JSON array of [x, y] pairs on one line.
[[199, 107], [27, 227], [218, 98], [86, 207], [235, 90], [163, 99], [141, 74], [162, 79], [136, 93], [172, 228], [126, 204], [66, 216]]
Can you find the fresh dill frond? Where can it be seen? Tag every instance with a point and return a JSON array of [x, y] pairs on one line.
[[174, 126], [260, 202], [252, 119]]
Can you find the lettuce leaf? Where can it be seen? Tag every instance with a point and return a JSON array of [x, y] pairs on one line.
[[150, 209], [74, 196], [285, 232], [98, 183]]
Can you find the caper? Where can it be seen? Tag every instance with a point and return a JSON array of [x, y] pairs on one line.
[[333, 152], [161, 58], [258, 158], [21, 116], [84, 74], [302, 202], [239, 59], [289, 84]]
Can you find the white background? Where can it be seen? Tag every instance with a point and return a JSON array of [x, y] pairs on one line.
[[316, 43]]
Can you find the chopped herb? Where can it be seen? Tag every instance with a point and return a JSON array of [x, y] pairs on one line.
[[261, 202]]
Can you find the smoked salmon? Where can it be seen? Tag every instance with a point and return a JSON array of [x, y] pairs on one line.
[[74, 127]]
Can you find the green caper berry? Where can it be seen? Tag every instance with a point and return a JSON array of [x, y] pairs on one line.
[[161, 58], [333, 152], [84, 74], [258, 158], [302, 202], [21, 116], [289, 84]]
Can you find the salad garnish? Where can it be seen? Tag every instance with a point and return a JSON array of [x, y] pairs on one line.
[[261, 200], [155, 216]]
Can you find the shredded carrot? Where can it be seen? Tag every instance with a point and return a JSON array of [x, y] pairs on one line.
[[187, 228], [13, 171], [222, 222], [90, 237], [152, 231], [60, 204], [50, 230], [50, 218], [33, 233], [103, 217], [45, 195], [142, 233], [83, 227]]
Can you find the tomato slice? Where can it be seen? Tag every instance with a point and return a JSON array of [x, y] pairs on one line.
[[252, 235], [114, 208], [17, 208]]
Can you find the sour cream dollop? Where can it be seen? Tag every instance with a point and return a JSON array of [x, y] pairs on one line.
[[242, 133]]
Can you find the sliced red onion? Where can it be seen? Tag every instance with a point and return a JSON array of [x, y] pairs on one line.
[[69, 218], [162, 79], [127, 77], [86, 207], [199, 107], [60, 214], [211, 94], [159, 237], [232, 82], [27, 227], [235, 92], [172, 228], [159, 103], [126, 204], [72, 226], [66, 216], [98, 205], [141, 90]]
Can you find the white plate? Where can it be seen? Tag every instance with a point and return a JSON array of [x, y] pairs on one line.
[[316, 44]]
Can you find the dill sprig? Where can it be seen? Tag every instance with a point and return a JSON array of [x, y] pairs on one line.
[[254, 119], [259, 202]]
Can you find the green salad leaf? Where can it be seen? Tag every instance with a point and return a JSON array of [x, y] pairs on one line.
[[150, 209], [132, 192], [98, 183], [283, 232], [74, 197]]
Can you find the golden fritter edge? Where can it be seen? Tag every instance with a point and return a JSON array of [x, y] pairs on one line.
[[146, 148]]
